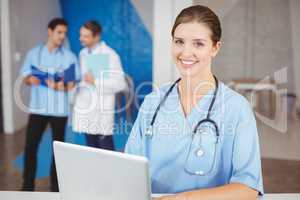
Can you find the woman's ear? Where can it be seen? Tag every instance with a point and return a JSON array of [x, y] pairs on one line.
[[216, 48]]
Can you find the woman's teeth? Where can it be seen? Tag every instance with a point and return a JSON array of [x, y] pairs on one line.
[[188, 62]]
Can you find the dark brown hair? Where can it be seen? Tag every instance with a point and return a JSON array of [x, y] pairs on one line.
[[94, 27], [55, 22], [200, 14]]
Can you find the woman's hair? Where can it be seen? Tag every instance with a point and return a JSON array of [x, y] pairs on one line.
[[200, 14]]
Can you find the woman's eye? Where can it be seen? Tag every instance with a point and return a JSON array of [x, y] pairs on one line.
[[199, 44], [179, 42]]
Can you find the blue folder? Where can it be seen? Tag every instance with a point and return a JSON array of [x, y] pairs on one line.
[[67, 75], [97, 63]]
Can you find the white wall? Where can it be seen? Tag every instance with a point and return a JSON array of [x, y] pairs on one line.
[[295, 25], [6, 65], [145, 11], [27, 26], [257, 38], [164, 13]]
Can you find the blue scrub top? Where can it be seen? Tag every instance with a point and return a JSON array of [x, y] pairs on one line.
[[171, 150], [44, 100]]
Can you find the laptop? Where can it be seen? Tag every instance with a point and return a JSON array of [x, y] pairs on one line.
[[86, 173]]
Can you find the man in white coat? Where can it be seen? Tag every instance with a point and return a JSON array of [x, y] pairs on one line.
[[94, 107]]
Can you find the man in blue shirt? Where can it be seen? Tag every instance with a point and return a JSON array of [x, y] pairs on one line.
[[51, 71]]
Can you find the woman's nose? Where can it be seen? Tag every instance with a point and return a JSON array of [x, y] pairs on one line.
[[187, 50]]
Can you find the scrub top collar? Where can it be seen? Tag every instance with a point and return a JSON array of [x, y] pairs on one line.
[[201, 106], [56, 50]]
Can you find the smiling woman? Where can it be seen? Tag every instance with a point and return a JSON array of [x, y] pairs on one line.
[[193, 50], [205, 156]]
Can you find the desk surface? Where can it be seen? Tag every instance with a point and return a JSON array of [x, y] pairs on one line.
[[6, 195]]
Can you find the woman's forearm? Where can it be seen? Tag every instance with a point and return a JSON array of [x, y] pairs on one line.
[[233, 191]]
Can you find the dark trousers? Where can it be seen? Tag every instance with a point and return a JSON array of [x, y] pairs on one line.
[[35, 129], [100, 141]]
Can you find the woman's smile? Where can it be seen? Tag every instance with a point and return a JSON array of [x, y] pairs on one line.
[[187, 63]]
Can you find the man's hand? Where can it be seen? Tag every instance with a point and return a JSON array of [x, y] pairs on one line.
[[51, 84], [70, 85], [89, 78], [60, 85], [32, 80], [55, 85]]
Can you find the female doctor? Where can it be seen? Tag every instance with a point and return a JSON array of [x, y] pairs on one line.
[[199, 136]]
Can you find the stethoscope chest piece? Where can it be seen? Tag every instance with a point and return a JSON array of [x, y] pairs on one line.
[[149, 132], [199, 173], [199, 152]]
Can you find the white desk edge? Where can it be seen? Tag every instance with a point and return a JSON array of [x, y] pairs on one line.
[[15, 195]]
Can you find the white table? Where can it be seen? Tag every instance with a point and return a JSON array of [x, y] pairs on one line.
[[6, 195]]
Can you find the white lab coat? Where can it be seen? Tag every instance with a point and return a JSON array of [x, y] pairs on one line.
[[94, 106]]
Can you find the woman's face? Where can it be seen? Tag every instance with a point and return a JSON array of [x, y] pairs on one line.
[[193, 48]]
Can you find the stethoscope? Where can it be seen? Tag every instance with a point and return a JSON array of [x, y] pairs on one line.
[[200, 151]]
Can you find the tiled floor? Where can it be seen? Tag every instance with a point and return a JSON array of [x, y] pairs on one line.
[[280, 152]]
